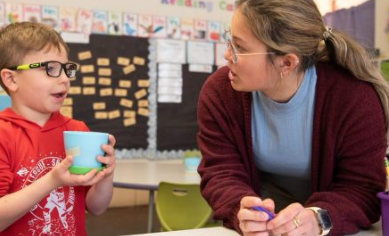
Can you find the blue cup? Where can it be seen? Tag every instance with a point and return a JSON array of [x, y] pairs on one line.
[[84, 147], [191, 164]]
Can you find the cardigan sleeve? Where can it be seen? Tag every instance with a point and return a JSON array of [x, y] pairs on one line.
[[221, 138]]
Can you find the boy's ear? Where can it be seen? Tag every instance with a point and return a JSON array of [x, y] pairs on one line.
[[8, 78]]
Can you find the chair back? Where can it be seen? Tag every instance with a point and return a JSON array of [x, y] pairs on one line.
[[181, 206]]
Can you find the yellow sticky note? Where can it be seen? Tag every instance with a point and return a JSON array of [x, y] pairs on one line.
[[143, 103], [139, 61], [105, 71], [143, 83], [101, 115], [105, 81], [68, 102], [128, 69], [129, 114], [141, 93], [125, 83], [129, 122], [121, 92], [84, 55], [114, 114], [87, 69], [126, 102], [88, 80], [74, 90], [103, 61], [106, 92], [89, 90], [143, 112], [99, 105], [123, 61], [66, 111]]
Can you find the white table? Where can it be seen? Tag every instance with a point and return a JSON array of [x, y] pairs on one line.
[[147, 174], [221, 231]]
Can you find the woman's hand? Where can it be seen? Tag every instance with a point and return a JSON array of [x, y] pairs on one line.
[[294, 220], [252, 222]]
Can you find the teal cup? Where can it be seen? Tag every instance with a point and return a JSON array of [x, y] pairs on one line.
[[191, 164], [84, 147]]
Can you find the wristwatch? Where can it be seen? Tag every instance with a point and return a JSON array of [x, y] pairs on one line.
[[323, 218]]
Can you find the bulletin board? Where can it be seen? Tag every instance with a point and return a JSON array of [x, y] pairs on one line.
[[176, 123], [112, 47]]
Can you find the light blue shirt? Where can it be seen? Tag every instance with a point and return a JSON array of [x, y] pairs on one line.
[[282, 142]]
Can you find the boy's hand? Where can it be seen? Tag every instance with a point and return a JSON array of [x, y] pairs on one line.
[[63, 177]]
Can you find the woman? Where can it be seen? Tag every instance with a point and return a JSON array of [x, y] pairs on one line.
[[296, 124]]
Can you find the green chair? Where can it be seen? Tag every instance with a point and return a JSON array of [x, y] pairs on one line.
[[181, 206]]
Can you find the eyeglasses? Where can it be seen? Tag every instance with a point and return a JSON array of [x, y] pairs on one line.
[[53, 68], [235, 52]]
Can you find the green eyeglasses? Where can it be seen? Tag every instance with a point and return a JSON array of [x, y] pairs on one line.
[[53, 68]]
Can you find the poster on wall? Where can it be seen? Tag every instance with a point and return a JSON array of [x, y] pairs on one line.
[[32, 13]]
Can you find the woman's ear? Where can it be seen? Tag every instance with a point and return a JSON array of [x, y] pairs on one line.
[[289, 62], [8, 78]]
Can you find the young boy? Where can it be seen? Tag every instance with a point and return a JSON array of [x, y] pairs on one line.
[[38, 195]]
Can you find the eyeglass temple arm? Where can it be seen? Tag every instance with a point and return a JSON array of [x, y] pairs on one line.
[[26, 67]]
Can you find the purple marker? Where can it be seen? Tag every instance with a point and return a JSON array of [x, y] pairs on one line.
[[259, 208]]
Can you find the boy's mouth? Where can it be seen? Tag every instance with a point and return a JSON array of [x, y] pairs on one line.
[[59, 95]]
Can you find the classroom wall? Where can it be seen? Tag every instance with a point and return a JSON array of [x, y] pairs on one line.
[[382, 27], [217, 10]]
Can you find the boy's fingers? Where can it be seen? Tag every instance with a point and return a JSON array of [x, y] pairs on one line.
[[67, 162]]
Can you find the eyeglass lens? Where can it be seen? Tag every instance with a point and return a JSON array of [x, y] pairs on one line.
[[231, 46], [54, 69]]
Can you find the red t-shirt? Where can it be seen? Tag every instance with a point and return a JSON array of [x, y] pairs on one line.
[[27, 152]]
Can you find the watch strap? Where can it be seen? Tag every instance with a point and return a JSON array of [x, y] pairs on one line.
[[316, 211]]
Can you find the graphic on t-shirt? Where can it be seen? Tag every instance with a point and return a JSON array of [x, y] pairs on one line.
[[53, 215]]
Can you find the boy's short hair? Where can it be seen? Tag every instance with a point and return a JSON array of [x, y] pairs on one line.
[[22, 38]]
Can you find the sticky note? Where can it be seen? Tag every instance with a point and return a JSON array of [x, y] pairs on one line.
[[105, 81], [139, 61], [88, 80], [129, 122], [125, 83], [128, 69], [123, 61], [143, 103], [74, 90], [105, 71], [106, 92], [87, 69], [129, 114], [68, 102], [126, 102], [89, 90], [101, 115], [84, 55], [143, 83], [143, 111], [141, 93], [99, 105], [114, 114], [121, 92], [103, 61]]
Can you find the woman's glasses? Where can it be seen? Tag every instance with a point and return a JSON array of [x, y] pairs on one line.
[[53, 68], [234, 52]]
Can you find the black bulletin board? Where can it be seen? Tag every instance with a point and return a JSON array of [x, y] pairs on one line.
[[106, 46], [177, 122]]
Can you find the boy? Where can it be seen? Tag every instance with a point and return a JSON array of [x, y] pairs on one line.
[[38, 195]]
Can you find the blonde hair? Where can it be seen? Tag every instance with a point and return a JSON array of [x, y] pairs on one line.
[[286, 26], [19, 39]]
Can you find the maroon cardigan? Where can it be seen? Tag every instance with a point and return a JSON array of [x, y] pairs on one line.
[[348, 146]]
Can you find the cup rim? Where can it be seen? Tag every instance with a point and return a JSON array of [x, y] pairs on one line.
[[84, 132]]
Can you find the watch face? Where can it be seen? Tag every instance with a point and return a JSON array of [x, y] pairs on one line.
[[324, 219]]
